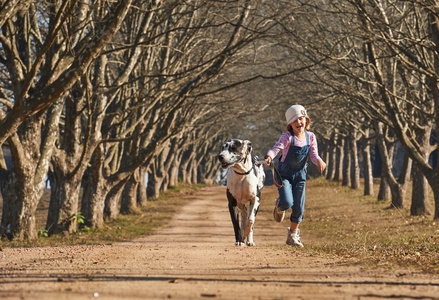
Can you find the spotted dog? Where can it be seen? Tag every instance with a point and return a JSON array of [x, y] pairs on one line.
[[245, 179]]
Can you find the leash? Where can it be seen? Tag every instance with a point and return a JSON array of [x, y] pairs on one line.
[[277, 179]]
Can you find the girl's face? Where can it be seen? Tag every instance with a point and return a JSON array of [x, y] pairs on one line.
[[299, 126]]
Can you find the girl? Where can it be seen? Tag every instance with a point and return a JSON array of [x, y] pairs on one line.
[[296, 144]]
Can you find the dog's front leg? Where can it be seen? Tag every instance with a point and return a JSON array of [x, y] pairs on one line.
[[244, 219], [234, 215], [248, 232]]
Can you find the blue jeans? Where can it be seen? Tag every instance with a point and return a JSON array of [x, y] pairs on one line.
[[292, 195]]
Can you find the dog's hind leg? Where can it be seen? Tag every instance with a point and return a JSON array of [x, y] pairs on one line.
[[234, 215]]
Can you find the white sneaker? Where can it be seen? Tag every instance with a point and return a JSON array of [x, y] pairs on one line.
[[293, 238], [277, 213]]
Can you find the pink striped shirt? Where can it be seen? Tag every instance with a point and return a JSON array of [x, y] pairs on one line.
[[285, 142]]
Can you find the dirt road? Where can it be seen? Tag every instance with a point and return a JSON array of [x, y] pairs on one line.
[[195, 258]]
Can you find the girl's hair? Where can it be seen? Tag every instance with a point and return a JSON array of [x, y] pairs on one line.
[[308, 122]]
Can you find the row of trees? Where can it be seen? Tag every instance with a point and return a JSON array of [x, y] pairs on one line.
[[97, 95], [375, 80]]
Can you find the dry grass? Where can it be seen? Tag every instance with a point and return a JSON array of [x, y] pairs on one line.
[[342, 222]]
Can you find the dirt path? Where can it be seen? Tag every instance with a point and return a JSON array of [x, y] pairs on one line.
[[195, 258]]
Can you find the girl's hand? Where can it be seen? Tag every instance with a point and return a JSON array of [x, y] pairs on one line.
[[268, 160], [321, 165]]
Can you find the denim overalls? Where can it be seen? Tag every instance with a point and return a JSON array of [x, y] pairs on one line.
[[293, 171]]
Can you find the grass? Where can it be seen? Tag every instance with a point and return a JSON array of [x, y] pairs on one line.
[[338, 222], [342, 222]]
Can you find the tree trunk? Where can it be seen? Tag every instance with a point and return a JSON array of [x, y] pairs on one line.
[[355, 165], [173, 173], [406, 170], [128, 203], [113, 199], [142, 198], [23, 186], [153, 188], [95, 190], [174, 164], [338, 175], [402, 182], [63, 206], [332, 160], [202, 172], [326, 155], [194, 171], [398, 189], [212, 168], [384, 193], [346, 165], [367, 167], [165, 183], [420, 205], [188, 171], [433, 177], [20, 200], [435, 189], [398, 193], [184, 167]]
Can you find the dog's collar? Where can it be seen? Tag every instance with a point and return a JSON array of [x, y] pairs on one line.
[[245, 173]]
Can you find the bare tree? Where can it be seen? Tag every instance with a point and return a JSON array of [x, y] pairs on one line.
[[43, 62], [379, 57], [60, 63]]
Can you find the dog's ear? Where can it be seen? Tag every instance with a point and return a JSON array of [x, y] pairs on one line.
[[249, 146]]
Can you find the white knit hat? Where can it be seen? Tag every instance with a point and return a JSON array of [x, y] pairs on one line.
[[294, 112]]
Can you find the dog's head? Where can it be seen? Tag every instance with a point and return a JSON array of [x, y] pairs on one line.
[[233, 152]]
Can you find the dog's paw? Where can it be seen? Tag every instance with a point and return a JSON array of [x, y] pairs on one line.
[[241, 244], [250, 244]]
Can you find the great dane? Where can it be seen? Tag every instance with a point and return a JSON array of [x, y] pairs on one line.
[[245, 180]]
